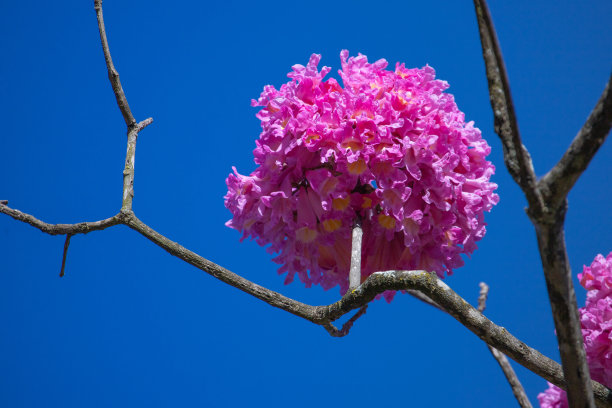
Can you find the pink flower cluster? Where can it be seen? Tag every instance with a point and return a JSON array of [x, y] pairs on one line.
[[596, 323], [390, 148]]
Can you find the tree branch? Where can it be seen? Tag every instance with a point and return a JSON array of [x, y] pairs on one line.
[[516, 156], [557, 183], [377, 283], [65, 254], [128, 170], [334, 332], [558, 275], [60, 229], [425, 299], [113, 75], [504, 364], [434, 290], [546, 215]]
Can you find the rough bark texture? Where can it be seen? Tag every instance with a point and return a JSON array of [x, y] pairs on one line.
[[545, 211], [547, 202], [516, 156], [440, 294], [557, 183], [551, 241]]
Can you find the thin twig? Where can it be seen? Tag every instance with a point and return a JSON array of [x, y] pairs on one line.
[[60, 229], [377, 283], [547, 217], [516, 156], [424, 298], [113, 75], [346, 327], [421, 281], [515, 384], [482, 297], [557, 183], [65, 254], [133, 127]]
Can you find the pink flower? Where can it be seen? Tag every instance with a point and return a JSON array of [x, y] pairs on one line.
[[390, 147], [553, 397], [596, 323]]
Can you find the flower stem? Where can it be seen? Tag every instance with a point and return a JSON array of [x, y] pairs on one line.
[[355, 272]]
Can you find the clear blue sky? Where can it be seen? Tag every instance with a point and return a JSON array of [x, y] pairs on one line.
[[130, 325]]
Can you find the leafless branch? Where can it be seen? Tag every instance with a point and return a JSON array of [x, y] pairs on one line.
[[65, 254], [113, 75], [557, 183], [433, 290], [547, 212], [516, 156], [377, 283], [425, 299], [60, 229], [482, 297], [334, 332], [128, 171], [515, 384], [558, 276]]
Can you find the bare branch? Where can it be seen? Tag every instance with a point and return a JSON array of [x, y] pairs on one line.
[[334, 332], [433, 290], [516, 156], [558, 275], [546, 215], [557, 183], [482, 297], [515, 384], [128, 170], [61, 229], [377, 283], [425, 299], [113, 75], [133, 127], [272, 298], [65, 254]]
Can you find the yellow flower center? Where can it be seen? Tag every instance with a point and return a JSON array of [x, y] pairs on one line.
[[386, 222], [341, 203], [332, 224], [357, 167], [306, 234]]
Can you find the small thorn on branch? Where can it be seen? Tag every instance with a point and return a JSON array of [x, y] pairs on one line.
[[66, 245]]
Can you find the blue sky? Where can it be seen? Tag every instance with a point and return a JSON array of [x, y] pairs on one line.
[[130, 325]]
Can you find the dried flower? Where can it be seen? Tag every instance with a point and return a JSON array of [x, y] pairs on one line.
[[390, 147]]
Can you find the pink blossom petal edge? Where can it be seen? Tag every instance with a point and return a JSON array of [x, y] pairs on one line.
[[389, 147], [596, 324]]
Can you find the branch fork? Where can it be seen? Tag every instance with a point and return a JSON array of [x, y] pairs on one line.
[[546, 198]]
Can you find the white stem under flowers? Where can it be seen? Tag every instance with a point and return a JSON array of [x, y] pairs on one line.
[[355, 272]]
